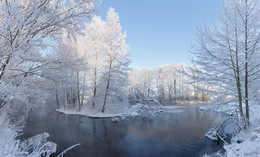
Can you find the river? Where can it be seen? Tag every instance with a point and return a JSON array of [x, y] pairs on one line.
[[179, 134]]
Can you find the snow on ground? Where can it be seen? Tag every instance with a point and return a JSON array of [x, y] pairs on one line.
[[246, 143], [95, 114], [173, 109], [115, 110], [228, 109], [120, 110]]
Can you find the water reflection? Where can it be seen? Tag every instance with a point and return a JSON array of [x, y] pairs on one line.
[[178, 134]]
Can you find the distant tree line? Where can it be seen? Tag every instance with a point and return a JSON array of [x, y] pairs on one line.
[[168, 84]]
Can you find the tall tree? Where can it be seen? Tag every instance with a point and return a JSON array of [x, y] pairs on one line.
[[92, 46], [227, 54], [115, 60], [67, 72], [26, 26]]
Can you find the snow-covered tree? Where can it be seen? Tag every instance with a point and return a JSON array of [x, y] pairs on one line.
[[26, 28], [91, 45], [66, 74], [97, 60], [166, 83], [115, 59], [228, 54]]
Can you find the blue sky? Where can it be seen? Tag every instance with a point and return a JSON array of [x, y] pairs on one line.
[[161, 32]]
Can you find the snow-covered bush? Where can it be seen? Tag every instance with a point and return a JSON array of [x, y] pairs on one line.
[[10, 146]]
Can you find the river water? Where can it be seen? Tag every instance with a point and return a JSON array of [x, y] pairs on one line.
[[179, 134]]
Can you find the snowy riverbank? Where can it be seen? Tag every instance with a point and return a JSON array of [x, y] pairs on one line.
[[119, 111], [247, 142]]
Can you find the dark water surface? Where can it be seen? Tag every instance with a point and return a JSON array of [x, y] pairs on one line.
[[178, 134]]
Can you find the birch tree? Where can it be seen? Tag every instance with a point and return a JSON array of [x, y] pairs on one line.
[[116, 61]]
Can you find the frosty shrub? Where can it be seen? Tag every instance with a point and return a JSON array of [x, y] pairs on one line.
[[35, 146]]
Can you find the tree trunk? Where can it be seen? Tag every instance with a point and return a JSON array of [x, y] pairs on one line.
[[2, 69], [78, 91], [246, 65], [83, 91], [57, 98], [175, 91], [108, 82], [169, 93], [195, 93], [95, 82], [105, 99], [95, 87], [236, 70]]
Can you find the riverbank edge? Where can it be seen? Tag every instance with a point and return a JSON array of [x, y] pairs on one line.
[[134, 110], [247, 142]]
